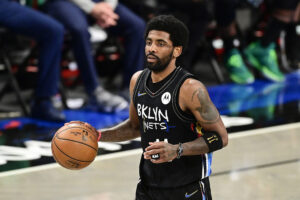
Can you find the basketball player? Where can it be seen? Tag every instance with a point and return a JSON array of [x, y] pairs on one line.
[[171, 111]]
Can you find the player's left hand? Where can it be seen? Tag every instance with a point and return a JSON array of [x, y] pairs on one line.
[[167, 152]]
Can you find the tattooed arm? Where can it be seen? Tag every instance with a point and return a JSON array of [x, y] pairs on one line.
[[194, 98], [129, 129]]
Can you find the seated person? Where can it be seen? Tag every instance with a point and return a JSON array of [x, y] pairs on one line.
[[116, 19], [261, 54], [49, 34]]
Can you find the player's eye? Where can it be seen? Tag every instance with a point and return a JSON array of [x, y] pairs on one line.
[[148, 42], [161, 44]]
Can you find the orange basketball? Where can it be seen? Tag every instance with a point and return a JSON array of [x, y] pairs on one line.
[[75, 145]]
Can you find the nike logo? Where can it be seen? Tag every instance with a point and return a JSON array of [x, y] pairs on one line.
[[189, 195], [141, 94]]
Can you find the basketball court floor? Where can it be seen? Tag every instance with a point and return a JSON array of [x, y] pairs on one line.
[[262, 160]]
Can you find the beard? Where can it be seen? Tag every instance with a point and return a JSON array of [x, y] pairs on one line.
[[160, 65]]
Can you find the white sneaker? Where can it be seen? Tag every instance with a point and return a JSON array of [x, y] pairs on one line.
[[104, 101]]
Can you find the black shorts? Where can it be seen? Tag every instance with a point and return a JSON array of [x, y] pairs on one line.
[[199, 190]]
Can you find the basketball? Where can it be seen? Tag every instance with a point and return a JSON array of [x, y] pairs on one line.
[[75, 145]]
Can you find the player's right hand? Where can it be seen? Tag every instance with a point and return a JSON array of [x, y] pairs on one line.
[[167, 152]]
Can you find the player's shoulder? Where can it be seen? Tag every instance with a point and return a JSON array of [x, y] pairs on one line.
[[190, 88], [191, 84], [134, 78], [136, 74]]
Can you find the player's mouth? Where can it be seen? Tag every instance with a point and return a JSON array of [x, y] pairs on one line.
[[151, 58]]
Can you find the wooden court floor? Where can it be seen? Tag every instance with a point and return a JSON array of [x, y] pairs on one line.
[[261, 164]]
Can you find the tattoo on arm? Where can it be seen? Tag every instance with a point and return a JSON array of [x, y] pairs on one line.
[[121, 132], [206, 109]]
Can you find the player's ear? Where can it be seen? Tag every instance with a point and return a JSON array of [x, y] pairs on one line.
[[177, 51]]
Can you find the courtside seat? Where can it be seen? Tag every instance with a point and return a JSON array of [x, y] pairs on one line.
[[8, 78]]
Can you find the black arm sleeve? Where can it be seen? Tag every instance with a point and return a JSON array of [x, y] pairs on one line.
[[213, 140]]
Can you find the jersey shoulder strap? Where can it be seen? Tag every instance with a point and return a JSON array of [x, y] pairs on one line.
[[138, 83]]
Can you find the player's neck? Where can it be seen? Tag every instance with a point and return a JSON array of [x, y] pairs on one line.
[[158, 76]]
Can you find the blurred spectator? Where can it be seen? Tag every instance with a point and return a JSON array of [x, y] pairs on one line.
[[76, 16], [195, 14], [225, 13], [260, 54], [48, 34], [292, 40]]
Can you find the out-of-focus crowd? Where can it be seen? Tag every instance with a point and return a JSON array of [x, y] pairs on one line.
[[90, 29]]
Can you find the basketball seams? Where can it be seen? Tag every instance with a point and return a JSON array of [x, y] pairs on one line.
[[96, 138], [70, 156], [57, 158], [77, 142], [84, 124]]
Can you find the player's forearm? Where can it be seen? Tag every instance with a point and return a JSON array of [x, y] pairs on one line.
[[196, 147], [165, 152], [211, 141], [122, 132]]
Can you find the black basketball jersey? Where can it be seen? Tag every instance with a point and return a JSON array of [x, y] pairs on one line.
[[161, 119]]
